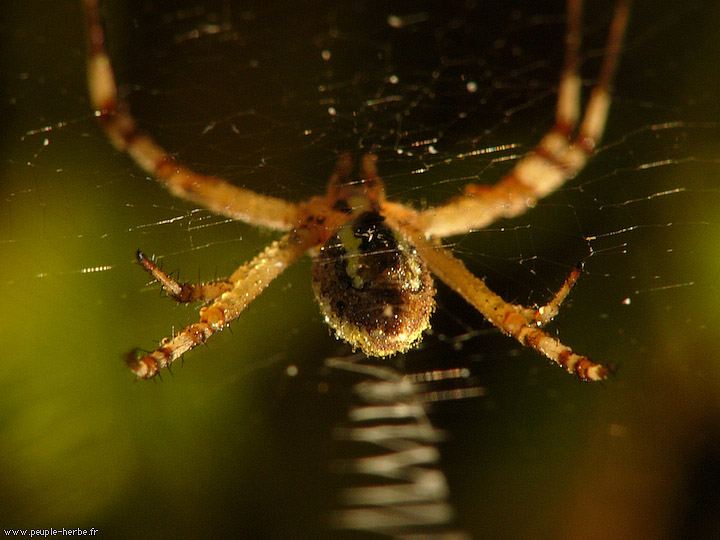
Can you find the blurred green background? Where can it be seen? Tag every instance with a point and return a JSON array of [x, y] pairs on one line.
[[267, 94]]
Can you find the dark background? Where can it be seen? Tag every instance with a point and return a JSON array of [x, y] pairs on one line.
[[231, 443]]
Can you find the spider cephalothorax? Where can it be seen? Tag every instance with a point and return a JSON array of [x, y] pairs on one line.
[[373, 257]]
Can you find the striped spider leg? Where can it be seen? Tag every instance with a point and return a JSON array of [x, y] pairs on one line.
[[562, 152], [560, 156], [372, 258]]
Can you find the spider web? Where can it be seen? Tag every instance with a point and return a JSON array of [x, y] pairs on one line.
[[267, 94]]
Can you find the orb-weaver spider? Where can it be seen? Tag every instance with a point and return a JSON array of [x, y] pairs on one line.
[[373, 258]]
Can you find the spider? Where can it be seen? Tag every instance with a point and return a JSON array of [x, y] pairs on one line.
[[373, 259]]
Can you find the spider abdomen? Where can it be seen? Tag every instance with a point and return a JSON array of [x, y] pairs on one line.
[[373, 288]]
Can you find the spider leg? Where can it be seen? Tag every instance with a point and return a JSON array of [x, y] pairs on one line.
[[557, 158], [213, 193], [520, 322], [248, 282], [185, 292], [545, 314], [567, 110]]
